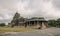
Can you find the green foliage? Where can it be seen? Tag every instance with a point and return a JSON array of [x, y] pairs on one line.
[[17, 15], [51, 22], [54, 23], [22, 19], [2, 24], [15, 19]]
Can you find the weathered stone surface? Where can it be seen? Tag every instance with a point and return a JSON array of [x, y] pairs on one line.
[[43, 25]]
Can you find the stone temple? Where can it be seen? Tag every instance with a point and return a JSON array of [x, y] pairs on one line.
[[34, 22]]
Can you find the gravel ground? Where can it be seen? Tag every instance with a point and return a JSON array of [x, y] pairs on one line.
[[46, 32]]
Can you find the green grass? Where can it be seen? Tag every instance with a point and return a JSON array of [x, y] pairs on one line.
[[9, 29]]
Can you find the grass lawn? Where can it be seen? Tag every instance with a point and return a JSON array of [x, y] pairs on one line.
[[9, 29]]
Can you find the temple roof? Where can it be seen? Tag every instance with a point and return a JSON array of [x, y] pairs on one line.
[[36, 19]]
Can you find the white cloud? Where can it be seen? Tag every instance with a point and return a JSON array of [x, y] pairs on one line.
[[29, 8]]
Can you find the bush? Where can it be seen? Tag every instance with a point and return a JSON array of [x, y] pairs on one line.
[[2, 24], [54, 23]]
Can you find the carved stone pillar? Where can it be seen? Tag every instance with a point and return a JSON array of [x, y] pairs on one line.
[[38, 24]]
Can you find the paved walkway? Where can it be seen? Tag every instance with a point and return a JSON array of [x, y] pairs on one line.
[[47, 32]]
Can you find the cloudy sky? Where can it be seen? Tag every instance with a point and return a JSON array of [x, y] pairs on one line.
[[50, 9]]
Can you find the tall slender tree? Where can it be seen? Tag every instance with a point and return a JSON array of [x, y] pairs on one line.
[[15, 20]]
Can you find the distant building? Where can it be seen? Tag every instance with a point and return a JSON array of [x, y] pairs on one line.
[[34, 22]]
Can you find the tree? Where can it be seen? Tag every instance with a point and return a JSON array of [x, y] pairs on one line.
[[15, 20], [58, 19], [51, 23], [22, 19], [2, 24], [55, 23], [58, 22]]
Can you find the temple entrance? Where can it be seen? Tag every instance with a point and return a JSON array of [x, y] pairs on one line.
[[37, 24]]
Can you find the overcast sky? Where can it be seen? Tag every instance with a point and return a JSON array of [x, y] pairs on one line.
[[50, 9]]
